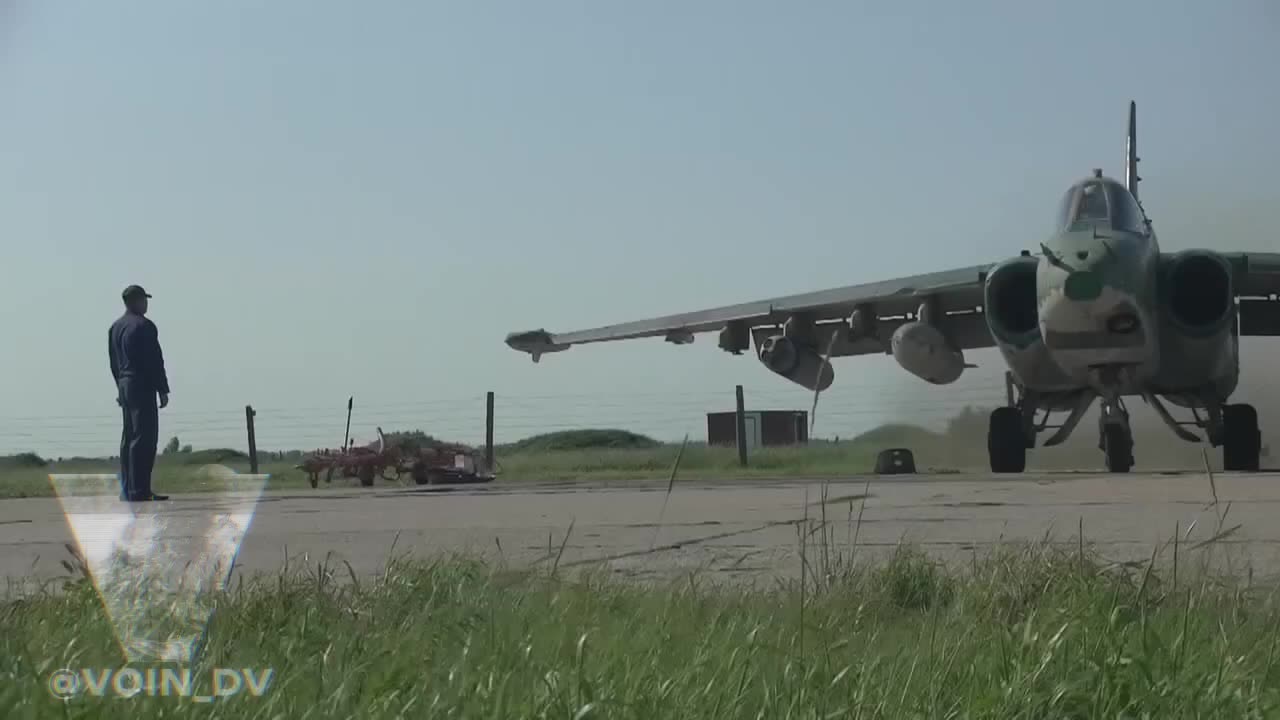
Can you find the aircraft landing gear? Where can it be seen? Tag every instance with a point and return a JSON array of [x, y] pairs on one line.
[[1007, 440], [1115, 436], [1234, 428], [1241, 439], [1012, 430]]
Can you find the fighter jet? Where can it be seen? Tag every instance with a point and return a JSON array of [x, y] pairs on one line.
[[1095, 313]]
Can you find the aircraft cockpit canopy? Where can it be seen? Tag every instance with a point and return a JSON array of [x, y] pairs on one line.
[[1100, 201]]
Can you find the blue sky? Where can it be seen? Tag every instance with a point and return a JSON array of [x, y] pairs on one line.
[[332, 199]]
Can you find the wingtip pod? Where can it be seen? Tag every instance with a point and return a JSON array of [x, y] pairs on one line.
[[534, 342]]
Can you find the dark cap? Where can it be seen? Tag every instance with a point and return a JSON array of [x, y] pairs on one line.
[[134, 291]]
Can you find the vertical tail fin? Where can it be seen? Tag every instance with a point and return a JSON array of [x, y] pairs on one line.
[[1131, 178]]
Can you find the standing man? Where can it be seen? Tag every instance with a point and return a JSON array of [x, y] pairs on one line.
[[137, 365]]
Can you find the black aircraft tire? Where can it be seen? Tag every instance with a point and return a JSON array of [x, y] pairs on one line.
[[1006, 444], [1242, 441], [1118, 447]]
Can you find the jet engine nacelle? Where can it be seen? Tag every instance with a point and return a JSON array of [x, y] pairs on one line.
[[922, 350], [799, 364], [1009, 297], [1009, 305], [1197, 292], [1198, 314]]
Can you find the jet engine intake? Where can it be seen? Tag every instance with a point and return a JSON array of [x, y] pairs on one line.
[[922, 350], [1010, 300], [1199, 293], [798, 363], [1197, 337], [1011, 308]]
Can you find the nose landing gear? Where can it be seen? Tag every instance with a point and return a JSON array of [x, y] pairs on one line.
[[1115, 437]]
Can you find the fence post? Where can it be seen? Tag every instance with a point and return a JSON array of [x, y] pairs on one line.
[[488, 430], [741, 419], [253, 439]]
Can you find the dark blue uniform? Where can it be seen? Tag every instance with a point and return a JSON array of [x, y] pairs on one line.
[[138, 368]]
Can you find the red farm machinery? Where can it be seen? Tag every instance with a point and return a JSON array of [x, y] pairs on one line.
[[431, 462]]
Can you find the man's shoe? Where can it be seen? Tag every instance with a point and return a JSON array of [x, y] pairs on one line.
[[158, 497]]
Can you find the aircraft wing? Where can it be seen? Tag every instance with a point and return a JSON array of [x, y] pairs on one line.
[[958, 294], [1257, 287]]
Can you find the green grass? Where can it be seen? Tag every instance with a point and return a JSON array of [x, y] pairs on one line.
[[618, 456], [1031, 632], [169, 476], [698, 462], [818, 460]]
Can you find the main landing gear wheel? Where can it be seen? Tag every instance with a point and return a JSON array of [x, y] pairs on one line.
[[1007, 441], [1241, 440]]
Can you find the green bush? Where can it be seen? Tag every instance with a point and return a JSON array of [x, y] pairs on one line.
[[23, 460], [213, 456], [409, 440], [585, 440]]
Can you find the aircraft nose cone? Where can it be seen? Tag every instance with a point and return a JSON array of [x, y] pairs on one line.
[[1082, 286]]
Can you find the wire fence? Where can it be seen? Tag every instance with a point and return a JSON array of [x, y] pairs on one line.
[[843, 411]]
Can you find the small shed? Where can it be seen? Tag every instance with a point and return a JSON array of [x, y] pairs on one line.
[[764, 428]]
